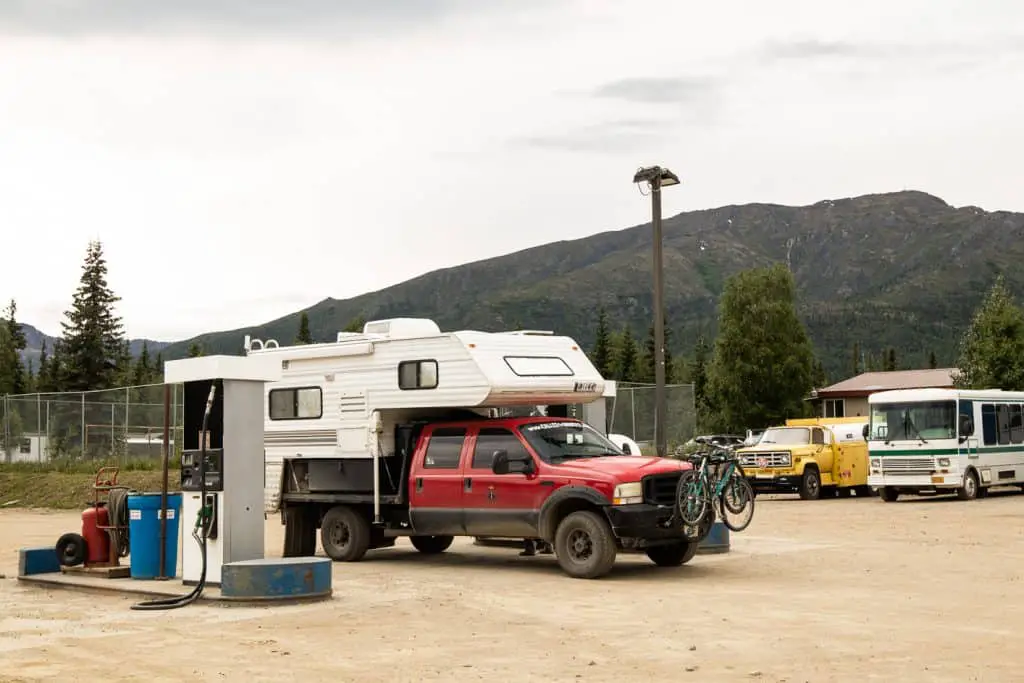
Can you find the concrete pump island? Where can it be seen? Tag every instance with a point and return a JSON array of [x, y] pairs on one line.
[[352, 503]]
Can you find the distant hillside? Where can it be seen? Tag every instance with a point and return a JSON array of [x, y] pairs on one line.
[[34, 343], [902, 269]]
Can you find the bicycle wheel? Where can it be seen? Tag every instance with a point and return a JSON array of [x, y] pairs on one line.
[[737, 499], [691, 500], [698, 532]]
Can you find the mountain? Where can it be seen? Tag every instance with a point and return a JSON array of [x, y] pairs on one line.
[[34, 339], [902, 270]]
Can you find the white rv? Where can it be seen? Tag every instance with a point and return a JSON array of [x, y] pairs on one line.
[[343, 399]]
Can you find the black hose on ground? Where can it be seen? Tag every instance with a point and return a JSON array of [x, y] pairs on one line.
[[199, 532]]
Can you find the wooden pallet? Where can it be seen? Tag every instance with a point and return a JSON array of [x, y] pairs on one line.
[[107, 572]]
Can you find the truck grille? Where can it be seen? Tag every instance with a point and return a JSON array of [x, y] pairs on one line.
[[895, 465], [773, 459], [660, 489]]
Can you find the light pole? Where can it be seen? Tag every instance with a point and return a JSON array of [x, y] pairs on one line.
[[657, 177]]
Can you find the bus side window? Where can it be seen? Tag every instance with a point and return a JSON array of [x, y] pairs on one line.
[[988, 424], [1003, 421], [1016, 426]]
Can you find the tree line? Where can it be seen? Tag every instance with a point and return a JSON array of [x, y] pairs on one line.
[[92, 351]]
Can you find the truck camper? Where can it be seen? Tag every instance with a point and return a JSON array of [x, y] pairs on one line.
[[395, 431]]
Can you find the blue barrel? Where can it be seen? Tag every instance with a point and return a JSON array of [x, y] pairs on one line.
[[144, 534], [716, 542]]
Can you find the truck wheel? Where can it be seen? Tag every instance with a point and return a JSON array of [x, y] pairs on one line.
[[299, 532], [672, 555], [585, 545], [969, 490], [345, 534], [888, 494], [810, 485], [431, 545], [864, 491]]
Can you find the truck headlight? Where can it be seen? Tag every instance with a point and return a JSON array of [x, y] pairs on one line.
[[943, 462], [628, 494]]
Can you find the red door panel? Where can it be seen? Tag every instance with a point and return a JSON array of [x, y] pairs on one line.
[[499, 504], [435, 492]]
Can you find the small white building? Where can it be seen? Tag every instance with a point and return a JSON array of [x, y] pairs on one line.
[[30, 447]]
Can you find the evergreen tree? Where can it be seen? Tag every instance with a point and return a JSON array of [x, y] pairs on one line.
[[195, 349], [9, 364], [932, 360], [625, 365], [93, 336], [992, 349], [602, 355], [356, 324], [699, 378], [304, 336], [889, 360], [646, 371], [143, 373], [16, 340], [43, 380], [158, 367], [820, 379], [763, 361], [856, 367]]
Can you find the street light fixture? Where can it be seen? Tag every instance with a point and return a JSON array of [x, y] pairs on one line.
[[657, 177]]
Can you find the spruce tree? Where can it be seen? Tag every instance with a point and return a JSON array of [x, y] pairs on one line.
[[932, 360], [16, 337], [646, 371], [356, 324], [195, 349], [856, 367], [142, 373], [889, 360], [627, 360], [43, 381], [602, 355], [304, 336], [93, 336]]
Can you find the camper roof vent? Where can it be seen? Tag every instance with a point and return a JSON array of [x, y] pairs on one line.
[[542, 333], [397, 328]]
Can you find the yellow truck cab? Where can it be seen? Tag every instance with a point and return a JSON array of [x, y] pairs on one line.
[[814, 457]]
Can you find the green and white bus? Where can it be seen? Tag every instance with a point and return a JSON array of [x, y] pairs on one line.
[[945, 440]]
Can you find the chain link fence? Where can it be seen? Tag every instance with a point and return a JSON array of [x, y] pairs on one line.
[[633, 413], [123, 423]]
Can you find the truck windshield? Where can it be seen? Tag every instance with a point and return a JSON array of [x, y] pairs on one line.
[[789, 436], [913, 421], [559, 441]]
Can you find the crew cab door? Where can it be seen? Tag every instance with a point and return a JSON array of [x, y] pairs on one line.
[[500, 504], [435, 486]]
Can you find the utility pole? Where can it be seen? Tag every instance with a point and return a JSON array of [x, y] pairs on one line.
[[656, 178]]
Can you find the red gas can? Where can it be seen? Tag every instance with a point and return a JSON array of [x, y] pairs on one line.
[[96, 540]]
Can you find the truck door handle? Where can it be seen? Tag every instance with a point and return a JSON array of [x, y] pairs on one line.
[[419, 483], [468, 483]]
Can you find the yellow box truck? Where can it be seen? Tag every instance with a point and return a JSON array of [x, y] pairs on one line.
[[813, 457]]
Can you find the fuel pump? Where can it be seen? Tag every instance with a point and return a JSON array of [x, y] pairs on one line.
[[222, 464]]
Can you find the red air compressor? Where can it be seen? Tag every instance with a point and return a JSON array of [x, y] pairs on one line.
[[104, 536]]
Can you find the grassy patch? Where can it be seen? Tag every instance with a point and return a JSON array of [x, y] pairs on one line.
[[28, 485]]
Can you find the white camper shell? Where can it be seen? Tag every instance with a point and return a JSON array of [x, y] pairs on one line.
[[343, 399]]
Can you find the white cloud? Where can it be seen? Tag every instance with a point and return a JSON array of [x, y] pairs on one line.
[[239, 167]]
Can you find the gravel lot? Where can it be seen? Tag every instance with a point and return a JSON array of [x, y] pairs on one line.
[[831, 590]]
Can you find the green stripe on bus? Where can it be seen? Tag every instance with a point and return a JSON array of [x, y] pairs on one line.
[[948, 451]]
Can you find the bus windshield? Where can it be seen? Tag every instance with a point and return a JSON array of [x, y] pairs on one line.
[[913, 421], [787, 436]]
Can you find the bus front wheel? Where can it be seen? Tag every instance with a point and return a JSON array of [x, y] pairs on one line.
[[969, 490], [888, 494]]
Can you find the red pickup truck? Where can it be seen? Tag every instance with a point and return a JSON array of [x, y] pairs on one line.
[[552, 478]]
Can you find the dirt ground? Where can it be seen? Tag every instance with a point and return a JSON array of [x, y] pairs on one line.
[[831, 590]]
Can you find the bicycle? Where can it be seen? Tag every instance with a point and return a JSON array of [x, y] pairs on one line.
[[701, 496]]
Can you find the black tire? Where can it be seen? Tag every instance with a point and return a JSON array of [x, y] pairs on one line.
[[71, 550], [888, 494], [431, 545], [344, 534], [673, 555], [810, 484], [969, 490], [585, 545], [744, 510], [299, 532]]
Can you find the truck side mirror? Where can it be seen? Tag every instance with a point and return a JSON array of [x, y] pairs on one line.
[[503, 464], [966, 427], [866, 431]]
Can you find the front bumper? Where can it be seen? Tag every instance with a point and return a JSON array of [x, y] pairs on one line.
[[783, 482], [916, 482], [644, 522]]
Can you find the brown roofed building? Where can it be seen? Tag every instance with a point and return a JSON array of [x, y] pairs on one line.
[[849, 398]]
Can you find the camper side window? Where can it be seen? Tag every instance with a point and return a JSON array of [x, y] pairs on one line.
[[303, 403], [444, 448], [417, 374]]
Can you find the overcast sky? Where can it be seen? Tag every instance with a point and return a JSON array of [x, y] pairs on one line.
[[242, 159]]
